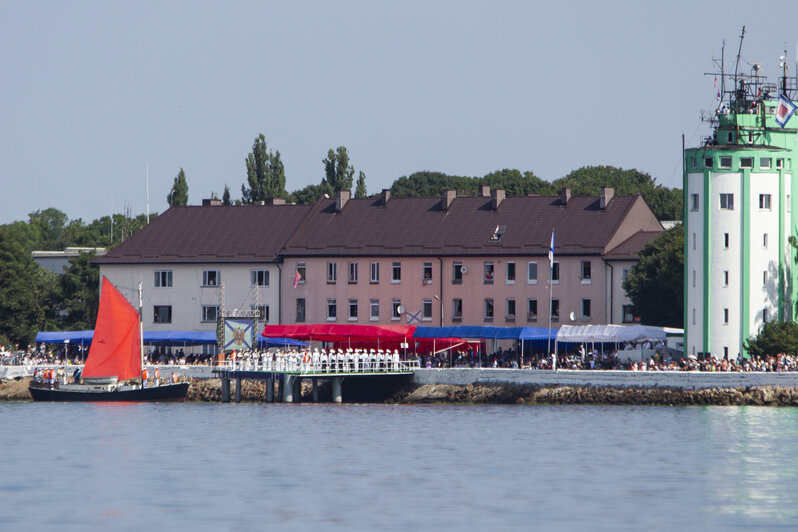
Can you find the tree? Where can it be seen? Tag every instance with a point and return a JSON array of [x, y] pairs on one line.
[[656, 283], [774, 338], [309, 195], [178, 196], [226, 196], [49, 228], [78, 287], [338, 173], [360, 189], [265, 174]]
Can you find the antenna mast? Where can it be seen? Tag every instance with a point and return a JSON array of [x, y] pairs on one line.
[[147, 166]]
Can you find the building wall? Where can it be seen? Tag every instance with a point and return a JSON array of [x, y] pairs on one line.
[[187, 295], [615, 272], [694, 271]]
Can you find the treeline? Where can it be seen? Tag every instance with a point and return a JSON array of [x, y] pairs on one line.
[[265, 178]]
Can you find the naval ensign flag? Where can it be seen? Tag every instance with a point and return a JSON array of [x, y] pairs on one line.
[[784, 110], [551, 250]]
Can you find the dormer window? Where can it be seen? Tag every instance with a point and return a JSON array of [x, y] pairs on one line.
[[498, 232]]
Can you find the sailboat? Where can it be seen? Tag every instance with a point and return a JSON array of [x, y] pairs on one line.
[[113, 369]]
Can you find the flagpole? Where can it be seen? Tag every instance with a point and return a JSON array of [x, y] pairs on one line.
[[551, 289]]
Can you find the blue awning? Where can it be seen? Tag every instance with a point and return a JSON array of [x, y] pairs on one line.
[[483, 331], [65, 337]]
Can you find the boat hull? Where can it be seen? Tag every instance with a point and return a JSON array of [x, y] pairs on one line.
[[167, 392]]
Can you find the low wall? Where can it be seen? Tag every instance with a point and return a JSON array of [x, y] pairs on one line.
[[192, 372], [686, 380]]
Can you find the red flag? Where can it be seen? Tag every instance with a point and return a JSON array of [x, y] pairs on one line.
[[297, 278], [715, 84]]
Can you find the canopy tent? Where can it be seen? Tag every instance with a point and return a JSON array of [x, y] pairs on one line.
[[612, 333], [368, 336], [480, 331], [157, 338]]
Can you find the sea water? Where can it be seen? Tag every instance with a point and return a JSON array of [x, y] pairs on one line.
[[195, 466]]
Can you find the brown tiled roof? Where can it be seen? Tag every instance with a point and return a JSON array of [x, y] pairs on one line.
[[629, 248], [243, 233], [418, 226]]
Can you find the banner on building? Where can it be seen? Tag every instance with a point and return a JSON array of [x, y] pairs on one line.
[[238, 334]]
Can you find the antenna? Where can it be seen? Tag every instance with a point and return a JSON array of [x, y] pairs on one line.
[[147, 166]]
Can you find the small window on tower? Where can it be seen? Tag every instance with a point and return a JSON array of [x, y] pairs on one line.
[[764, 201], [779, 163], [708, 162], [765, 162], [694, 201], [727, 202], [725, 162], [746, 162], [726, 240]]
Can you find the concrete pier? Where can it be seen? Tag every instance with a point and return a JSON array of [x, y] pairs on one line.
[[337, 396], [225, 390], [288, 388], [269, 390]]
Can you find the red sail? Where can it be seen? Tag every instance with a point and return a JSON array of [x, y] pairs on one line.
[[115, 349]]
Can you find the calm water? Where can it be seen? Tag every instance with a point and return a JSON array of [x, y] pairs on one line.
[[367, 467]]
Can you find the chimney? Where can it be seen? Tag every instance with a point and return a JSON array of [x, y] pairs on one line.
[[211, 202], [498, 197], [275, 201], [606, 196], [484, 191], [566, 196], [341, 199], [386, 195], [448, 198]]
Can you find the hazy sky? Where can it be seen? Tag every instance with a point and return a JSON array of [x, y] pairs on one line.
[[93, 91]]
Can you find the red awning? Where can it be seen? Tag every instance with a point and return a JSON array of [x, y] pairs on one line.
[[344, 335]]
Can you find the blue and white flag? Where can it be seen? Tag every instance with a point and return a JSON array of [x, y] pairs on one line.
[[551, 249], [784, 110]]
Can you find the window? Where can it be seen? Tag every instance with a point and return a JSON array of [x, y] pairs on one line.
[[374, 310], [353, 272], [779, 163], [693, 316], [555, 310], [457, 273], [708, 162], [725, 316], [764, 278], [726, 240], [509, 310], [396, 272], [725, 278], [729, 138], [396, 309], [162, 314], [725, 162], [427, 310], [259, 277], [163, 279], [300, 310], [693, 240], [210, 312], [750, 137], [586, 309], [765, 162], [531, 310], [532, 273], [585, 272], [210, 278], [693, 278], [694, 202], [693, 163], [353, 310], [765, 315], [488, 309], [332, 310], [746, 162], [628, 314], [427, 279], [509, 269], [727, 202], [765, 240], [302, 271], [263, 312], [457, 310], [332, 272], [489, 273], [764, 201], [624, 273], [555, 272], [374, 276]]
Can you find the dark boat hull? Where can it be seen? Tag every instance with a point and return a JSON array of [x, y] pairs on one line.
[[167, 392]]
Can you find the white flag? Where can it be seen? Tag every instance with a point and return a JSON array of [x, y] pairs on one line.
[[784, 111], [551, 249]]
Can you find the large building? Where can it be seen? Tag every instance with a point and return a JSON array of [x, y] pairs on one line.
[[383, 260], [739, 200]]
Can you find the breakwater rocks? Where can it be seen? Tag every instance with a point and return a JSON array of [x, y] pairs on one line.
[[588, 395]]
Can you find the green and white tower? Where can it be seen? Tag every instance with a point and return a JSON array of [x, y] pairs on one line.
[[740, 211]]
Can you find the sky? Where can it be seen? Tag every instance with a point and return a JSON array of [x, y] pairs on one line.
[[95, 95]]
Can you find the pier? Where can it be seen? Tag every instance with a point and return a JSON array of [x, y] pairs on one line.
[[288, 373]]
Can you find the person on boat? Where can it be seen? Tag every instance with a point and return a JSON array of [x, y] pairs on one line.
[[144, 377], [157, 377], [174, 378]]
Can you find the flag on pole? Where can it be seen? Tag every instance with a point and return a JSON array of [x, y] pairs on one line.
[[297, 278], [784, 111], [551, 249]]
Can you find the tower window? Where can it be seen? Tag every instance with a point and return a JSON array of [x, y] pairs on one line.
[[708, 162], [746, 162], [765, 162], [764, 201], [725, 277], [726, 240], [694, 202], [725, 162], [727, 202], [765, 240], [779, 163], [694, 278], [765, 278], [725, 316]]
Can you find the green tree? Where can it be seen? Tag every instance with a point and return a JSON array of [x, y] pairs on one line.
[[226, 196], [178, 196], [656, 283], [49, 228], [309, 195], [79, 290], [265, 174], [360, 189], [774, 338], [338, 173]]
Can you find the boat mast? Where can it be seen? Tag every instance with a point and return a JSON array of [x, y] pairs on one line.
[[141, 329]]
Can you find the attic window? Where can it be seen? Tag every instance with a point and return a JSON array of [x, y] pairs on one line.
[[498, 232]]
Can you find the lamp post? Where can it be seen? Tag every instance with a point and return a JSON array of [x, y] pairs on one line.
[[439, 299]]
